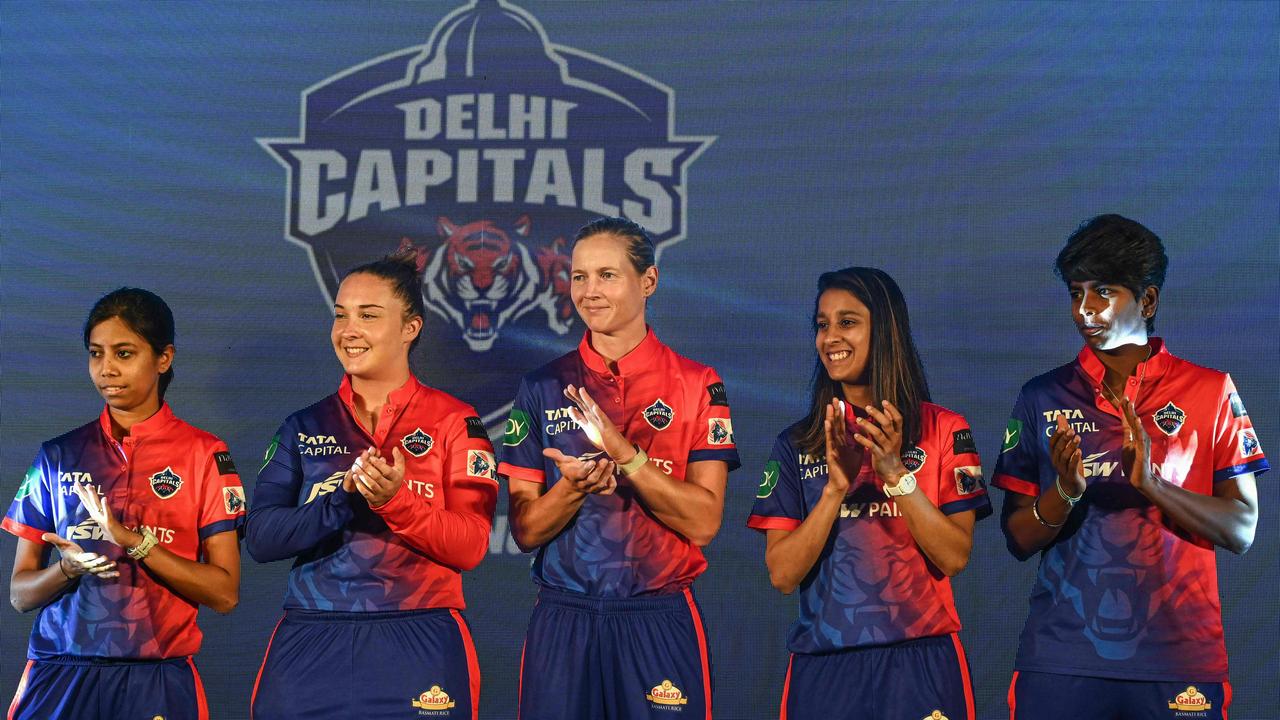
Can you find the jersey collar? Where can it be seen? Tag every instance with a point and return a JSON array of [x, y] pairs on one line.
[[396, 400], [640, 358], [1154, 366], [151, 426]]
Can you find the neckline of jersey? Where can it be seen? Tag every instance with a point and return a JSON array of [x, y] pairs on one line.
[[153, 425], [1152, 367], [639, 359]]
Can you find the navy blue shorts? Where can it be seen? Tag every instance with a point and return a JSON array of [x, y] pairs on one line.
[[343, 665], [595, 659], [109, 689], [916, 680], [1050, 696]]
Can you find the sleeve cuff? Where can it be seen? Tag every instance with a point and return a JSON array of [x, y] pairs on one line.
[[25, 532], [767, 522], [522, 473], [1014, 484], [728, 456], [1257, 467], [221, 526], [980, 503]]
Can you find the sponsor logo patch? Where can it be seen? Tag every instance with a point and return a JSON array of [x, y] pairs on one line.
[[962, 442], [1237, 406], [770, 480], [1012, 433], [475, 428], [434, 699], [480, 464], [233, 499], [324, 487], [271, 452], [666, 693], [29, 483], [517, 429], [1169, 418], [225, 465], [417, 442], [968, 479], [719, 431], [717, 394], [935, 715], [914, 459], [659, 415], [1190, 700], [1249, 445], [166, 483]]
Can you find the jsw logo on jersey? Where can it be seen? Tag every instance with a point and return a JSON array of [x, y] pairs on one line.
[[483, 149], [1094, 466], [324, 487], [90, 530]]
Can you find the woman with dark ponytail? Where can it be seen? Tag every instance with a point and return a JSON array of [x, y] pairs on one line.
[[869, 503], [143, 510], [382, 494]]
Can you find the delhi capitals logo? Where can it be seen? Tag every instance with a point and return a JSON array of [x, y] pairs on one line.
[[417, 442], [659, 415], [1169, 418], [914, 458], [166, 483], [482, 151]]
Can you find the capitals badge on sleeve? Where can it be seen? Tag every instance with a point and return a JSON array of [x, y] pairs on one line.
[[1249, 445], [719, 431], [233, 499]]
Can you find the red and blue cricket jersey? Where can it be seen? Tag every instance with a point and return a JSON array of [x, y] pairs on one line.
[[1122, 592], [675, 409], [168, 476], [407, 554], [872, 585]]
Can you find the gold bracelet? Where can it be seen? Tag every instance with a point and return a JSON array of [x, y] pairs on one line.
[[142, 549]]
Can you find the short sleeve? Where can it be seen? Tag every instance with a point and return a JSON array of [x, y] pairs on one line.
[[1018, 467], [960, 480], [470, 452], [713, 438], [1236, 449], [779, 501], [522, 442], [31, 512], [222, 506]]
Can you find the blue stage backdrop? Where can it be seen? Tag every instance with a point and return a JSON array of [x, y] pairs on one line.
[[237, 157]]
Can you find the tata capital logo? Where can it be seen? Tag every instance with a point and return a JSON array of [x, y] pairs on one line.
[[483, 150]]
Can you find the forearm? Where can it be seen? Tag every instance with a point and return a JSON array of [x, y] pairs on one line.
[[450, 537], [201, 583], [685, 507], [1224, 521], [31, 589], [790, 558], [278, 531], [536, 521], [946, 544], [1024, 534]]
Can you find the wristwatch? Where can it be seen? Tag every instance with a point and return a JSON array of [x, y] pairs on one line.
[[906, 485], [142, 549], [632, 466]]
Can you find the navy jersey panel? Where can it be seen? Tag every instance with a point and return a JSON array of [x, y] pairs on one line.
[[333, 665], [68, 687], [1122, 592], [674, 409], [871, 584], [1048, 696], [615, 659], [923, 679]]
